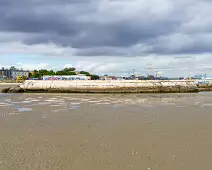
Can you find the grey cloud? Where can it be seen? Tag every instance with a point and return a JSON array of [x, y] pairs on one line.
[[182, 44], [106, 28]]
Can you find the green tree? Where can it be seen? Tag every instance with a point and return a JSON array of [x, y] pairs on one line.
[[30, 74], [51, 72], [71, 73], [69, 69], [13, 68], [43, 72], [35, 74], [85, 72], [94, 77], [66, 71], [60, 73]]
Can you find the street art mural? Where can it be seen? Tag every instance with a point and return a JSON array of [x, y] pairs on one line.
[[66, 77]]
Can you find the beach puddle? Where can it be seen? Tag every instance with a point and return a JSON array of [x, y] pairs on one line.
[[74, 107], [22, 109], [181, 106], [14, 113], [206, 105]]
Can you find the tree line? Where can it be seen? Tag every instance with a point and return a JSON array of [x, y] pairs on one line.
[[66, 71]]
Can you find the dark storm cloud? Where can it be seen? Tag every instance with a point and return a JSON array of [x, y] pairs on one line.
[[37, 17], [96, 27]]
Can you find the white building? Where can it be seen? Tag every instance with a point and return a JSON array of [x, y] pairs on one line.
[[16, 73], [13, 73]]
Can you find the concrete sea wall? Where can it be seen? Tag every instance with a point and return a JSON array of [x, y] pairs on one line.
[[205, 87], [113, 86], [205, 84]]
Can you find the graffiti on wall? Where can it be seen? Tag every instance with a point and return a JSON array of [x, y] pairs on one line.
[[65, 78]]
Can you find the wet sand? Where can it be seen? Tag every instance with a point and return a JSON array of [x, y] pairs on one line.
[[106, 132]]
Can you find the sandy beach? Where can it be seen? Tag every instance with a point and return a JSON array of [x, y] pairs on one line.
[[107, 132]]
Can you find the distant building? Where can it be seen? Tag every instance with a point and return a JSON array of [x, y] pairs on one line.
[[13, 73], [1, 77], [205, 81], [5, 73], [16, 73], [108, 77], [102, 77], [112, 78]]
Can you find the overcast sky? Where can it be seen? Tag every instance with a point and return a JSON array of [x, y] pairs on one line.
[[108, 36]]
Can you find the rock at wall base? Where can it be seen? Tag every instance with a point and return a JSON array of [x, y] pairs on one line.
[[5, 90], [205, 89], [115, 90], [13, 90]]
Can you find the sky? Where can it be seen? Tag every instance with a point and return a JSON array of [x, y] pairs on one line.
[[108, 36]]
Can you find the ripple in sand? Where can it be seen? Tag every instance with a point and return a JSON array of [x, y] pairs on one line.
[[35, 100], [85, 100], [27, 101], [94, 101], [55, 105], [29, 98], [44, 103], [103, 103], [49, 100], [5, 104]]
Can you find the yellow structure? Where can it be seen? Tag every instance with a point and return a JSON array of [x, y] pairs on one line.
[[20, 78]]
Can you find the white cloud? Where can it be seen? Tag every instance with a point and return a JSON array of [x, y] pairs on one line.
[[31, 66], [67, 66], [50, 49]]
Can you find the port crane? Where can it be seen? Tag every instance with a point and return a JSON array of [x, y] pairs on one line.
[[150, 70]]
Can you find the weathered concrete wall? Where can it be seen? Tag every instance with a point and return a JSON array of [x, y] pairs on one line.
[[205, 87], [113, 86]]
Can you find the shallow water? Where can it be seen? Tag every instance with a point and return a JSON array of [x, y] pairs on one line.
[[106, 131]]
